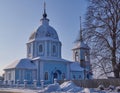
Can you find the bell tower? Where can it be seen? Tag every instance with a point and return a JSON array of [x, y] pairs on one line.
[[81, 51]]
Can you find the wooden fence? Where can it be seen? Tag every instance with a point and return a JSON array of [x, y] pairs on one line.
[[94, 83]]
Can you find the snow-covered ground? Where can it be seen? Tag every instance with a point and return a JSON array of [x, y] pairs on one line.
[[66, 87]]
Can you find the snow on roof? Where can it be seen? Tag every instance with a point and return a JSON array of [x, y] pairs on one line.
[[75, 66], [52, 59], [44, 31], [22, 63], [81, 45], [44, 38]]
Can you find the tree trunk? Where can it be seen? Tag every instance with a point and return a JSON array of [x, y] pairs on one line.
[[116, 74]]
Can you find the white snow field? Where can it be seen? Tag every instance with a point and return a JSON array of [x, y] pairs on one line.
[[66, 87]]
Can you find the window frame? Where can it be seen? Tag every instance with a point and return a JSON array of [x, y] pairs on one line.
[[54, 49], [40, 48], [46, 76]]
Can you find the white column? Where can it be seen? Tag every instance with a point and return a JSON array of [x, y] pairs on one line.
[[25, 83], [35, 49], [18, 82], [27, 48], [38, 70], [58, 50], [42, 84], [41, 70], [35, 83], [5, 76], [45, 48], [55, 81], [60, 46], [32, 50], [68, 71], [50, 48], [14, 76]]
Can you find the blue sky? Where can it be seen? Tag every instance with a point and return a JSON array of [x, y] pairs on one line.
[[19, 18]]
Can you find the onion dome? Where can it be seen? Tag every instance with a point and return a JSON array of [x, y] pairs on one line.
[[44, 31]]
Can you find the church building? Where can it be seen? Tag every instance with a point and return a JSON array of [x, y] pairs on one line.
[[44, 62]]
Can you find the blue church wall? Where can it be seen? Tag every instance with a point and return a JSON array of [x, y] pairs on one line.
[[16, 75], [28, 76], [55, 67], [75, 75], [24, 74]]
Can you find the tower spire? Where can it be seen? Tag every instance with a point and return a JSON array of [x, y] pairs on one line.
[[81, 38], [44, 14]]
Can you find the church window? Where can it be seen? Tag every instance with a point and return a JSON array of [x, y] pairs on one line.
[[86, 58], [88, 76], [55, 75], [40, 48], [46, 76], [74, 77], [79, 76], [28, 75], [54, 49], [9, 76], [76, 56]]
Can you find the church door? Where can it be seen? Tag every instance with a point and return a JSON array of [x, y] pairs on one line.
[[55, 75]]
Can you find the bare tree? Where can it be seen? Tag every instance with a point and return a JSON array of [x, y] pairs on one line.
[[102, 30]]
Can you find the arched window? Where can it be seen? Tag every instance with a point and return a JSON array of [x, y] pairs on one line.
[[46, 76], [54, 49], [9, 76], [74, 77], [76, 56], [40, 48], [79, 76], [86, 56], [55, 75]]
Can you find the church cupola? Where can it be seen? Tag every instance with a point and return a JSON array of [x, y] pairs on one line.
[[81, 50], [44, 41]]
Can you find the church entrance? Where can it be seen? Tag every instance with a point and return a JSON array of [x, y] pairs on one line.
[[56, 75]]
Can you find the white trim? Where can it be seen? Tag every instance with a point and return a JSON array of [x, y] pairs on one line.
[[68, 71], [45, 48], [41, 70]]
